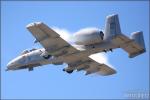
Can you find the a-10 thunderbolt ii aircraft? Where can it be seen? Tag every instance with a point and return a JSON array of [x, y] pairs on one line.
[[58, 51]]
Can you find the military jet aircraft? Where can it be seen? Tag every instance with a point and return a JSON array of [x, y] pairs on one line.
[[58, 51]]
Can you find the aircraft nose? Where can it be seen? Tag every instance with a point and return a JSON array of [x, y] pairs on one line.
[[10, 65], [15, 63]]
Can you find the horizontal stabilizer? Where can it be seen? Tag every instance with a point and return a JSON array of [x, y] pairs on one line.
[[134, 46]]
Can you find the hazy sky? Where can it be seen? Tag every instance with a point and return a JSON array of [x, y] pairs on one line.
[[50, 82]]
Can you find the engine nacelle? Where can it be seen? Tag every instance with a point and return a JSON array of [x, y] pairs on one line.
[[88, 36]]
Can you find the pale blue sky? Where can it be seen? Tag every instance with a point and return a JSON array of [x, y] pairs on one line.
[[50, 82]]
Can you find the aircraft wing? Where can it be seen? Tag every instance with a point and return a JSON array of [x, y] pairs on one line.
[[99, 68], [91, 66], [49, 39]]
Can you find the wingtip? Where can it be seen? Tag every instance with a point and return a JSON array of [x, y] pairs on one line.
[[112, 15], [33, 24]]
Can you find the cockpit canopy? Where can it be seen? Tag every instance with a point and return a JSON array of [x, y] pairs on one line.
[[27, 51]]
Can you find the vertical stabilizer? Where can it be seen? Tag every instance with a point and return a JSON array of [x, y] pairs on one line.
[[138, 38], [112, 26]]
